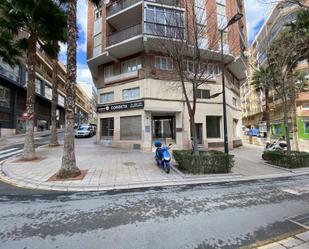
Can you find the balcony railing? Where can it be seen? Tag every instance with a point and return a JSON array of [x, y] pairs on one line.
[[123, 35], [120, 5], [165, 2], [121, 77]]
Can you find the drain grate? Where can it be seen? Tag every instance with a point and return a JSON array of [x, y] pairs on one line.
[[129, 163], [301, 220]]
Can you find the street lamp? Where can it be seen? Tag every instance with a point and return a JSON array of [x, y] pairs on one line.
[[233, 20]]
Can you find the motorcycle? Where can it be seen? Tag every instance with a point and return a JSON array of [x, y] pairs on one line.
[[163, 156], [278, 145]]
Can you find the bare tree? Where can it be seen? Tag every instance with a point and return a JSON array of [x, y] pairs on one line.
[[301, 3]]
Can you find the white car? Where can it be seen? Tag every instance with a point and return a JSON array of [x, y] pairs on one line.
[[84, 131]]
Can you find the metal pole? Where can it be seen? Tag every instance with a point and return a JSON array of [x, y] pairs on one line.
[[226, 142]]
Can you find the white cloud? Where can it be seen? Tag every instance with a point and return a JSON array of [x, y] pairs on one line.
[[256, 13], [83, 74]]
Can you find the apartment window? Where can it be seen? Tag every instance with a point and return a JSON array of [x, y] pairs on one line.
[[164, 63], [131, 93], [203, 94], [108, 71], [38, 86], [213, 126], [5, 97], [131, 128], [213, 69], [234, 101], [107, 128], [61, 100], [97, 14], [48, 92], [131, 65], [200, 12], [221, 14], [107, 97]]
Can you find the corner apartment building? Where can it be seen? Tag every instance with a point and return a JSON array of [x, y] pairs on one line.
[[138, 102], [13, 97], [253, 102]]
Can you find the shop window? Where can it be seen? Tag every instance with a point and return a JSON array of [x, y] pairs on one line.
[[203, 94], [4, 117], [5, 97], [213, 126], [107, 128], [131, 128], [277, 129], [106, 97], [131, 93]]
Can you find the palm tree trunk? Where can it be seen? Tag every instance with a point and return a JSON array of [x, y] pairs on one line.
[[53, 137], [68, 167], [294, 124], [267, 115], [29, 149]]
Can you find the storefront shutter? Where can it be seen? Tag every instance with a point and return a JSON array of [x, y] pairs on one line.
[[131, 128]]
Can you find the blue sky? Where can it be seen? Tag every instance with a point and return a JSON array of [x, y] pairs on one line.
[[256, 14]]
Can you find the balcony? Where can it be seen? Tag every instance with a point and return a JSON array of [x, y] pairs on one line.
[[12, 73], [121, 77], [120, 5], [166, 2], [123, 35]]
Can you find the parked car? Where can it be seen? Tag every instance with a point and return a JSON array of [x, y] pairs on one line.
[[84, 131]]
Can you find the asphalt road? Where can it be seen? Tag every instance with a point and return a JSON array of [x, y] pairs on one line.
[[208, 216]]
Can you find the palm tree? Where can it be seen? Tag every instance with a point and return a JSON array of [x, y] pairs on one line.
[[68, 166], [23, 26], [262, 80]]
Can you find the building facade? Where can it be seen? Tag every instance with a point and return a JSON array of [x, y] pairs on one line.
[[13, 97], [253, 102], [139, 98]]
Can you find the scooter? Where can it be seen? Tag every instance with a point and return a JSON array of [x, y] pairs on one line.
[[278, 145], [163, 156]]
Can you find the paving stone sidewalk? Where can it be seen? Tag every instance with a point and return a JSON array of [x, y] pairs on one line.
[[299, 241], [111, 168]]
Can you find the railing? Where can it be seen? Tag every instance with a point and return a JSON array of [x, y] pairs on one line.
[[120, 5], [9, 72], [123, 35], [166, 2], [121, 77]]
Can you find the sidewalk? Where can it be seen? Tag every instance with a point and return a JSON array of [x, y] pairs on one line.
[[110, 168], [299, 241], [6, 141]]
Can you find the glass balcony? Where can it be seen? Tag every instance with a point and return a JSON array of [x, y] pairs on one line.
[[123, 35]]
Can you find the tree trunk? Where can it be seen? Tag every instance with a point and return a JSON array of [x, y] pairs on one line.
[[286, 125], [29, 149], [294, 124], [267, 115], [194, 136], [68, 167], [53, 137]]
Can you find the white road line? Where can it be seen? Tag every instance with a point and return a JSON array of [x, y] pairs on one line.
[[8, 150], [10, 154]]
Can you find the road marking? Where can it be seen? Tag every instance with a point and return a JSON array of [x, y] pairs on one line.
[[8, 150], [11, 154], [297, 190]]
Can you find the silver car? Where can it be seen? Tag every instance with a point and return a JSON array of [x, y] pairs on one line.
[[84, 131]]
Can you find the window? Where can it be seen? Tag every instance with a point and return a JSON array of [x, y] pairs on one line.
[[277, 129], [234, 101], [38, 86], [213, 69], [306, 127], [213, 126], [107, 127], [97, 14], [61, 100], [97, 40], [200, 12], [108, 71], [132, 93], [131, 128], [164, 63], [5, 97], [48, 92], [107, 97], [221, 14], [131, 65], [203, 94]]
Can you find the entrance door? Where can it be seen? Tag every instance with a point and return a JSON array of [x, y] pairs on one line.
[[163, 127], [199, 133]]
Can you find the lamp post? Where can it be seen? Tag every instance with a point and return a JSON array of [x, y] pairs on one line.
[[233, 20]]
